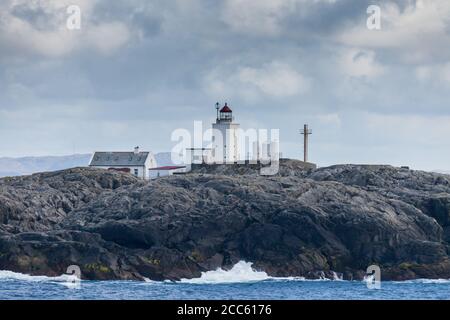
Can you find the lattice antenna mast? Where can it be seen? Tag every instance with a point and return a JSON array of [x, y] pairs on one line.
[[305, 132]]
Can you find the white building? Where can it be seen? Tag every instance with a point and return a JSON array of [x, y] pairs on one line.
[[137, 163], [165, 171], [225, 139]]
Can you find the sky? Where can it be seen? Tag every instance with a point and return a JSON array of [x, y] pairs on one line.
[[137, 70]]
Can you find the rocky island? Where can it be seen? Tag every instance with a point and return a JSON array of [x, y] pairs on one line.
[[302, 222]]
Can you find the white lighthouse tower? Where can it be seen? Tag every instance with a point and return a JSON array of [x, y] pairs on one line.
[[225, 139]]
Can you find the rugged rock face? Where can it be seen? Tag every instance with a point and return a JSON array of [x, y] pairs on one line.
[[302, 222], [286, 167], [40, 201]]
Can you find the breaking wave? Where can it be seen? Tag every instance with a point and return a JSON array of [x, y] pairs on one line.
[[338, 277], [369, 278], [241, 272], [65, 279], [426, 281]]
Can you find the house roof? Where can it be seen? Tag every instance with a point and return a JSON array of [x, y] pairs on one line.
[[119, 159]]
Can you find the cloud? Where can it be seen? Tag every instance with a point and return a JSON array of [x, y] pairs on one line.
[[264, 18], [107, 37], [275, 79], [330, 119], [143, 67], [425, 131], [360, 63], [395, 139], [434, 74], [417, 32], [260, 17], [39, 27], [423, 73]]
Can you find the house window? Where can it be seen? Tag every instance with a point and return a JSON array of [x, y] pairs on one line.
[[136, 172]]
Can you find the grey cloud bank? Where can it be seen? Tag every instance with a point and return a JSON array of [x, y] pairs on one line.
[[137, 70]]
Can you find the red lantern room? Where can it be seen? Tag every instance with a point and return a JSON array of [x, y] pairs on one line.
[[225, 113]]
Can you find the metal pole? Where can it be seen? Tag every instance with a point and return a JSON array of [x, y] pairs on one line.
[[305, 143], [217, 109], [305, 132]]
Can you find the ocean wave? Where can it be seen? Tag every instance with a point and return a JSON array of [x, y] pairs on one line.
[[241, 272], [10, 275], [426, 281]]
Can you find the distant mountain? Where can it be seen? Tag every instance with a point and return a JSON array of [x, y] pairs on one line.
[[29, 165]]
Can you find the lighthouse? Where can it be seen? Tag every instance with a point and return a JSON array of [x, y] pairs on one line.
[[225, 139]]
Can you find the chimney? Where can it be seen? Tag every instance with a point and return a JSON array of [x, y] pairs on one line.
[[136, 150]]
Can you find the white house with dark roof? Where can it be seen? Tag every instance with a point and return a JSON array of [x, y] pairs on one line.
[[137, 163]]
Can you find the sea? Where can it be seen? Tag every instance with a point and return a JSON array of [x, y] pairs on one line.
[[241, 283]]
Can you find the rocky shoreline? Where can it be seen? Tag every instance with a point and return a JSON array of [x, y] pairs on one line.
[[303, 222]]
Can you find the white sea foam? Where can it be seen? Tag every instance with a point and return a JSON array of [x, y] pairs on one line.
[[338, 277], [369, 278], [426, 281], [148, 280], [65, 278], [241, 272]]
